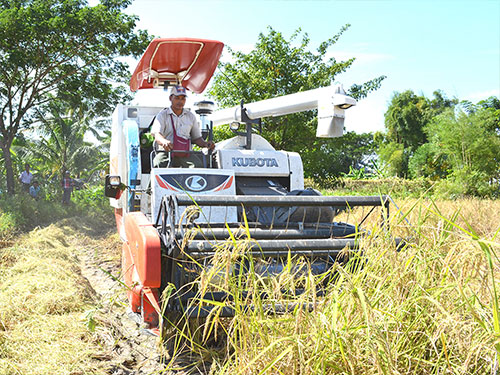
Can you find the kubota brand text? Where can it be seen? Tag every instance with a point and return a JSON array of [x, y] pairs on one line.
[[255, 162]]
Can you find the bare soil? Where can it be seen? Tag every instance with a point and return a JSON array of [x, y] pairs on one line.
[[126, 348], [126, 345]]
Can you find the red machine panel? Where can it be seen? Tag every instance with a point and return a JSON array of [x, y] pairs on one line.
[[144, 244], [189, 61]]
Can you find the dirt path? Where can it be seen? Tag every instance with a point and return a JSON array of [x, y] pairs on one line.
[[126, 348]]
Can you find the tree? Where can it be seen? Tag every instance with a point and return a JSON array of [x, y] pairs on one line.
[[277, 67], [470, 146], [405, 119], [64, 50], [490, 113], [440, 102], [62, 145], [59, 145]]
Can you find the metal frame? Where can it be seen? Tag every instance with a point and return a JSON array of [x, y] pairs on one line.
[[322, 242]]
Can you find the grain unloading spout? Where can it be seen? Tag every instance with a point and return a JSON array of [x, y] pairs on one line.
[[331, 103], [331, 112]]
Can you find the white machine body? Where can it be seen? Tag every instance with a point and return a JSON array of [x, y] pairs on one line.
[[194, 181], [233, 161]]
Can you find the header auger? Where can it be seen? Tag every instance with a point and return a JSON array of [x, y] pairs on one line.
[[247, 203]]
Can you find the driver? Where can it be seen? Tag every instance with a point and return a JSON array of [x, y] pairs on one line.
[[186, 126]]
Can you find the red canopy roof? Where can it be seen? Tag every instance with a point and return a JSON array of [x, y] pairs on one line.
[[191, 62]]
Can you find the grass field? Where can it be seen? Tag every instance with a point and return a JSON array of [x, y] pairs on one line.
[[432, 308], [44, 326]]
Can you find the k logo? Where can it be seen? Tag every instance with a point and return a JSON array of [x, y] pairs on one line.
[[196, 183]]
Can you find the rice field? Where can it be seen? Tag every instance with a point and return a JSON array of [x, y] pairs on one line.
[[431, 308]]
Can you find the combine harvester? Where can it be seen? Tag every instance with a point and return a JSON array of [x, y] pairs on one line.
[[247, 189]]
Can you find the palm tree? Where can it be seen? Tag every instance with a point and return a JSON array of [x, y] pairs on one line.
[[61, 143]]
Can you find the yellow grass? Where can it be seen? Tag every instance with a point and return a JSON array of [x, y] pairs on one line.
[[43, 311], [430, 309]]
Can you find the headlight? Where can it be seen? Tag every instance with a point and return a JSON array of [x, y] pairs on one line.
[[114, 180]]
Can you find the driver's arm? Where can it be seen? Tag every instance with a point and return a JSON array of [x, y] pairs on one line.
[[163, 142], [202, 143]]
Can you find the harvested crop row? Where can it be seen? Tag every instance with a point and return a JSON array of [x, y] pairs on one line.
[[43, 311]]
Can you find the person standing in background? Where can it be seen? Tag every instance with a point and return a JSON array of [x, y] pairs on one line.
[[67, 185], [35, 190], [25, 178]]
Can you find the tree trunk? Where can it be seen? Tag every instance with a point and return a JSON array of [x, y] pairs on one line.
[[9, 172]]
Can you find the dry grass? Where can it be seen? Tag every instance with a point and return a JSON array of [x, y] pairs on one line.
[[43, 322], [429, 309]]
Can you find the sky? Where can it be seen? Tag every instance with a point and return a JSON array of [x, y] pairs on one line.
[[423, 46]]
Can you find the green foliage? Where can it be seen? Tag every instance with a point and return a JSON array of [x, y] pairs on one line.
[[405, 120], [222, 133], [457, 145], [441, 103], [22, 212], [326, 159], [427, 161], [394, 156], [470, 144], [466, 182], [63, 146], [61, 49], [394, 186], [372, 171], [92, 200], [277, 67], [356, 174], [7, 224], [489, 111]]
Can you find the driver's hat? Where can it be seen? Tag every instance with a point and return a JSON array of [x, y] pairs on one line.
[[178, 90]]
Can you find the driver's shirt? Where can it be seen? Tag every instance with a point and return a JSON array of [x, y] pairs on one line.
[[186, 125]]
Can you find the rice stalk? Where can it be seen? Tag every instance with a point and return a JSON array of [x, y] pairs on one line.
[[431, 308]]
